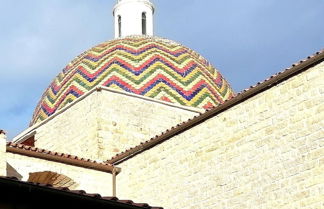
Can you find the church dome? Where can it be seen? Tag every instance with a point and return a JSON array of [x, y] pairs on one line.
[[143, 65]]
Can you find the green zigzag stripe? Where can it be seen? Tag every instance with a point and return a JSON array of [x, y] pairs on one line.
[[143, 79]]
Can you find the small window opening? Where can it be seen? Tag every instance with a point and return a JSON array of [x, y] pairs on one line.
[[143, 23], [30, 141], [119, 25]]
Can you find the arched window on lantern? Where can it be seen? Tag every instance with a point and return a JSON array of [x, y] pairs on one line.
[[144, 23], [119, 26]]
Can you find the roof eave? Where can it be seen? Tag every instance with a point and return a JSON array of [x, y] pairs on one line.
[[59, 157]]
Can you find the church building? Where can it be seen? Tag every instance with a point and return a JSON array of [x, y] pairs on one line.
[[146, 119]]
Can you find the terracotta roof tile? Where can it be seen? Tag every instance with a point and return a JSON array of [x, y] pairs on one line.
[[84, 193], [45, 154], [39, 150], [240, 97]]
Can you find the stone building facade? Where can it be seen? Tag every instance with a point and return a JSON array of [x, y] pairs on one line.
[[147, 119], [105, 122], [265, 152], [261, 149]]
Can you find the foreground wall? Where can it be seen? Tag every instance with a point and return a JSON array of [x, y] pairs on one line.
[[267, 152], [91, 181], [106, 122]]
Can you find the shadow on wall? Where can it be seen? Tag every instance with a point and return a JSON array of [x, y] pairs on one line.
[[52, 178], [11, 172], [45, 177]]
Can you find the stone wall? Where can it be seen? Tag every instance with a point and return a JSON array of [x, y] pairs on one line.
[[106, 123], [73, 131], [267, 152], [91, 181], [126, 121]]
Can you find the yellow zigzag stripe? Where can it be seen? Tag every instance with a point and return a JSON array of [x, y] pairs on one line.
[[189, 103], [137, 86]]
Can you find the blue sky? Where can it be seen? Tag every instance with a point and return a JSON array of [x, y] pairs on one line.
[[247, 41]]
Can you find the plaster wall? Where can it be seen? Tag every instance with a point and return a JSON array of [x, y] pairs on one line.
[[91, 181], [266, 152], [106, 123]]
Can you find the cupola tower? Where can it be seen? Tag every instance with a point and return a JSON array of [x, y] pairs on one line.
[[133, 17], [138, 63]]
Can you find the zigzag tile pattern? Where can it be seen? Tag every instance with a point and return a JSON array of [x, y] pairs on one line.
[[148, 66]]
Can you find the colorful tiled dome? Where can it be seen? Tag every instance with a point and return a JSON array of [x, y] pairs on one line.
[[148, 66]]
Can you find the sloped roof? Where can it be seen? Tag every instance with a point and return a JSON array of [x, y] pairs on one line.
[[60, 157], [262, 86]]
